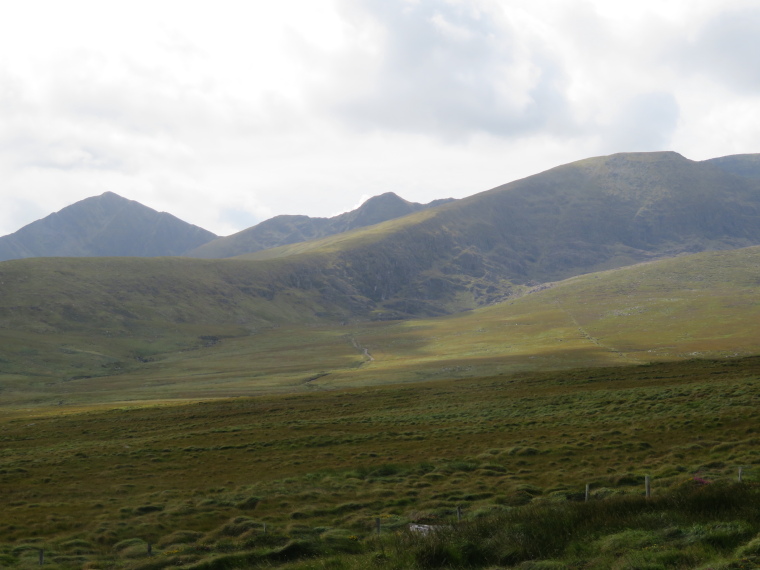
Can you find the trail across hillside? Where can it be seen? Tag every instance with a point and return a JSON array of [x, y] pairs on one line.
[[584, 333], [364, 351]]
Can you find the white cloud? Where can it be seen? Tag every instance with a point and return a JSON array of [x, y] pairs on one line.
[[443, 68], [229, 114], [727, 49]]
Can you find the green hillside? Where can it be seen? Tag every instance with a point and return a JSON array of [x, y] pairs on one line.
[[91, 317], [179, 328]]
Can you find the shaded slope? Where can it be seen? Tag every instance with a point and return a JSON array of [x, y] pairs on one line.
[[586, 216], [105, 225], [121, 295], [284, 230]]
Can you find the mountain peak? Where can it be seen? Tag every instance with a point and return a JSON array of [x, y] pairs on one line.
[[385, 198], [380, 209], [108, 195], [104, 226]]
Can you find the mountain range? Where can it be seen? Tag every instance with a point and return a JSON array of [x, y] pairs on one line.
[[111, 226], [395, 259]]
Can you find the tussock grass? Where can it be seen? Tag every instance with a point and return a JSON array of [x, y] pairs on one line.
[[598, 532], [241, 478]]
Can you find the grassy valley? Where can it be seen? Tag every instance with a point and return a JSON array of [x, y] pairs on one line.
[[151, 435], [505, 370]]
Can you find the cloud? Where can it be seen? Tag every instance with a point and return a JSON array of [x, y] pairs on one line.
[[727, 48], [645, 122], [227, 117], [447, 69]]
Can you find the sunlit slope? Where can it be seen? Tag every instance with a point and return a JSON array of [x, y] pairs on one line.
[[704, 305]]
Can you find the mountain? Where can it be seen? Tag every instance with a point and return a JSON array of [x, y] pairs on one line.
[[586, 216], [106, 225], [284, 230], [747, 165]]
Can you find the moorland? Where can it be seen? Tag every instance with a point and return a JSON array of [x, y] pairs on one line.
[[506, 371]]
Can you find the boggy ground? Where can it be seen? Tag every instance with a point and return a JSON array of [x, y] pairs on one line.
[[300, 479]]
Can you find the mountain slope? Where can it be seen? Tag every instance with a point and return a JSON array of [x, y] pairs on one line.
[[747, 165], [586, 216], [284, 230], [105, 225], [197, 328]]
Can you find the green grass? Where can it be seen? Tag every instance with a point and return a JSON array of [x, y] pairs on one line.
[[702, 306], [200, 480], [194, 428]]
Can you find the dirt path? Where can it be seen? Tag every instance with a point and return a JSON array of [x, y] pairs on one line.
[[585, 334], [362, 350]]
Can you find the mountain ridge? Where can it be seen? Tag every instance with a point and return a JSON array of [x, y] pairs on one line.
[[595, 214], [288, 229]]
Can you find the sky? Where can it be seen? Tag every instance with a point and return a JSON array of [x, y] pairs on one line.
[[228, 113]]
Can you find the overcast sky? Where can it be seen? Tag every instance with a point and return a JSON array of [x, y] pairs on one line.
[[226, 113]]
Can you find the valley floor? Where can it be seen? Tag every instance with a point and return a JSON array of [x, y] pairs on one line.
[[250, 481]]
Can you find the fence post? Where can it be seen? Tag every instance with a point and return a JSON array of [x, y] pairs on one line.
[[150, 549], [459, 513], [588, 491], [265, 528], [42, 557], [377, 525], [648, 486], [741, 472]]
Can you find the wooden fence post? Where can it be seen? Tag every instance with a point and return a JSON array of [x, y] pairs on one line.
[[459, 513], [648, 486], [150, 549], [377, 525], [588, 491], [42, 557], [741, 472]]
